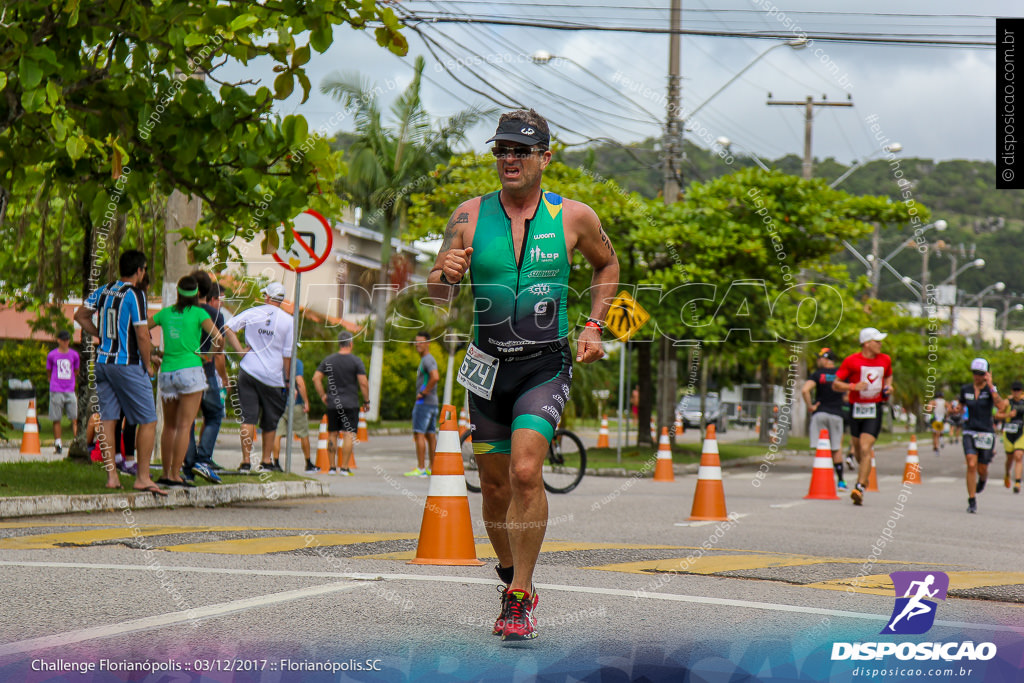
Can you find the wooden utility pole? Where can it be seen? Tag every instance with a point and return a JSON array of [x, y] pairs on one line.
[[672, 182]]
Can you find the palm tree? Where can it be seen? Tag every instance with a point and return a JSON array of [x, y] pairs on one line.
[[387, 164]]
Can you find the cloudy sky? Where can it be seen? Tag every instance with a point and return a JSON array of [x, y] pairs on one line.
[[937, 101]]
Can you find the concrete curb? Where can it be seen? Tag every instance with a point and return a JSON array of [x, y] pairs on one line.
[[202, 496]]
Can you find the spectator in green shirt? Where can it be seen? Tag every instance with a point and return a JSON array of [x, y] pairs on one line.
[[182, 380]]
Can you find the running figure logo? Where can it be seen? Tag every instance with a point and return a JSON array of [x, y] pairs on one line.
[[913, 613]]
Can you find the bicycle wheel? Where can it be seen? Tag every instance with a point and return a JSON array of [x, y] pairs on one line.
[[567, 462], [469, 462]]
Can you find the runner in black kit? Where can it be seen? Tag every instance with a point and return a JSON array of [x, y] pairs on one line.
[[1013, 434], [827, 410], [978, 398], [519, 368]]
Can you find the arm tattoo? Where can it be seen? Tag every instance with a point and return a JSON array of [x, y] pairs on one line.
[[449, 233], [607, 242], [462, 217]]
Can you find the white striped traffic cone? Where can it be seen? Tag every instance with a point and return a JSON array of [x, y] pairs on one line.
[[709, 498], [362, 434], [602, 435], [323, 460], [30, 436], [663, 467]]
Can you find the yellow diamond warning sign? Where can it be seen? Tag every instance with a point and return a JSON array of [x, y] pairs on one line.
[[625, 316]]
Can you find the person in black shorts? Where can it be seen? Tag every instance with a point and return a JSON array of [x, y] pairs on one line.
[[346, 380], [1013, 434], [518, 370], [867, 375], [978, 398], [827, 409]]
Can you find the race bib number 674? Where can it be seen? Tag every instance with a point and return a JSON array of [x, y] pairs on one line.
[[478, 372]]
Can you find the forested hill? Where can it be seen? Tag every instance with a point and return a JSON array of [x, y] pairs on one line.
[[960, 192]]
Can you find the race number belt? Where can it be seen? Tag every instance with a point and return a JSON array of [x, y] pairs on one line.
[[478, 372], [863, 411], [983, 441], [1012, 427]]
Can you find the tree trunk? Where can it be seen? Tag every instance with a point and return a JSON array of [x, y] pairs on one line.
[[765, 409], [380, 308], [78, 450], [643, 377], [667, 372]]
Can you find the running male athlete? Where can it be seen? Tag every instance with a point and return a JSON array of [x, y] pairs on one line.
[[520, 242], [978, 398], [936, 408], [1013, 434], [916, 606], [867, 375]]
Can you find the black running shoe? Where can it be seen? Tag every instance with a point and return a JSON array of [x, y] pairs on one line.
[[245, 467], [972, 506], [981, 485], [519, 621], [310, 467], [499, 623]]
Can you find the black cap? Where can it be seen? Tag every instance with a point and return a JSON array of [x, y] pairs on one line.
[[1017, 386], [828, 353], [64, 335], [515, 130]]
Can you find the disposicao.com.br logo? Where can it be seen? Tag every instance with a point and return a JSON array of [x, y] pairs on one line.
[[914, 614]]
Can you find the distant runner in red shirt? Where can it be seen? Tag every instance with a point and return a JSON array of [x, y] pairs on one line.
[[867, 375]]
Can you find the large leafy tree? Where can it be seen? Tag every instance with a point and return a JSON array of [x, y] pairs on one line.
[[109, 102], [388, 161]]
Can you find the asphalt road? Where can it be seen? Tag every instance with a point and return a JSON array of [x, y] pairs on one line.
[[628, 587]]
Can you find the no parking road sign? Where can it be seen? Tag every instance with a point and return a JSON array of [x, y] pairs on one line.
[[311, 244]]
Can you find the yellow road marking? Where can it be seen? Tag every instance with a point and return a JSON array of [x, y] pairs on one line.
[[277, 544], [714, 564], [485, 551], [881, 584], [95, 535]]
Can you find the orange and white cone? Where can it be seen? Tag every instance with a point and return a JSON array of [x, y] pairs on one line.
[[362, 435], [912, 470], [654, 429], [446, 534], [873, 475], [680, 428], [602, 435], [30, 435], [663, 467], [463, 421], [709, 498], [323, 460], [757, 424], [823, 483]]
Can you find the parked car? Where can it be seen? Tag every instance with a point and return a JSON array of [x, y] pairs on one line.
[[689, 409]]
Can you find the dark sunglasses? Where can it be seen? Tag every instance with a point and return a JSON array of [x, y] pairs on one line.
[[517, 152]]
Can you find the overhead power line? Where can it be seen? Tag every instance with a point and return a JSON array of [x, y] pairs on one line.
[[831, 38]]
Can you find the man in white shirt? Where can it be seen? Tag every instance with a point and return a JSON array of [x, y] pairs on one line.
[[263, 371]]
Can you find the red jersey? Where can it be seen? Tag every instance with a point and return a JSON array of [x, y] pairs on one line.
[[856, 368]]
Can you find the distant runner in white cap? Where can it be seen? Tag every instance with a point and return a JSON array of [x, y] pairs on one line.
[[867, 375], [977, 400]]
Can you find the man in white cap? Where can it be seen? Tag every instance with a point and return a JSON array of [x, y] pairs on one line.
[[263, 371], [979, 436], [867, 375]]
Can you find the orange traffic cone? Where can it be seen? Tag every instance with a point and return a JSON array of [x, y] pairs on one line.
[[873, 476], [323, 460], [663, 467], [30, 436], [912, 470], [823, 483], [757, 425], [446, 534], [602, 436], [680, 427], [709, 498], [654, 429], [463, 421], [362, 435]]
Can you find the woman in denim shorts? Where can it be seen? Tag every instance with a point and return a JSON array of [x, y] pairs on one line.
[[182, 380]]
